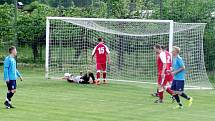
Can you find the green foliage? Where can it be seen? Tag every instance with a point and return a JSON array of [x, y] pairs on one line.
[[188, 10], [6, 32], [31, 25]]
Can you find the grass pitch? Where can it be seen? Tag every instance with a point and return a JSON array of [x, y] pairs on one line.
[[38, 99]]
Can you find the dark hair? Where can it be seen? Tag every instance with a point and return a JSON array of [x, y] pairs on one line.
[[157, 46], [100, 39], [11, 49], [163, 47]]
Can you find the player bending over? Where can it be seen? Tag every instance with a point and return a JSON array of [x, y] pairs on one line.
[[164, 65], [10, 75], [87, 78], [101, 53], [179, 78]]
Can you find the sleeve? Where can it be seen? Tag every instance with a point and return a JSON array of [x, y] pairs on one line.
[[6, 69], [163, 57], [94, 50], [107, 49], [18, 74]]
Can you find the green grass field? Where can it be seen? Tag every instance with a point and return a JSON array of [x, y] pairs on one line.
[[38, 99]]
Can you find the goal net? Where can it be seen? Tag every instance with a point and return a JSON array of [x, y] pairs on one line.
[[70, 41]]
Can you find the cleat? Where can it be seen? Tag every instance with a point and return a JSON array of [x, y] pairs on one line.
[[97, 82], [7, 105], [105, 81], [158, 101], [178, 107], [154, 94], [190, 102], [11, 106], [173, 99]]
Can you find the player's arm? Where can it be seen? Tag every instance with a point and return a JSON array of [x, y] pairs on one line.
[[108, 54], [163, 59], [19, 75], [182, 67], [6, 70], [93, 53]]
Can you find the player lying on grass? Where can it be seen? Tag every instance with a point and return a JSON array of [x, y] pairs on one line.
[[87, 78], [10, 75], [164, 64], [101, 53], [179, 72]]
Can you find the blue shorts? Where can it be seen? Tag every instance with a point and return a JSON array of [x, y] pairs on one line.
[[177, 85], [11, 85]]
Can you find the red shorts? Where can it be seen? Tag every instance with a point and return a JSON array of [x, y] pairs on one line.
[[101, 66], [168, 79]]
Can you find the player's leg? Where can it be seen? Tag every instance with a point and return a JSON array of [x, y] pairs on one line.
[[168, 78], [11, 91], [183, 94], [92, 77], [160, 91], [176, 88], [104, 73], [155, 94], [98, 73]]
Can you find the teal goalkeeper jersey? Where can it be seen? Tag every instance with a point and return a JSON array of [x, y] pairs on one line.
[[10, 71]]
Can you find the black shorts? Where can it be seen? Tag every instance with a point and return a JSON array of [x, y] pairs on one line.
[[177, 85], [11, 85]]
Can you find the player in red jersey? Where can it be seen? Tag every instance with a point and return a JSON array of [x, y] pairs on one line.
[[101, 53], [164, 64]]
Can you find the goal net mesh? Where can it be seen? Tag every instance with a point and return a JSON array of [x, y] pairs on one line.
[[131, 43]]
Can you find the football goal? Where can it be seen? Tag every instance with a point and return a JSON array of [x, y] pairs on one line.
[[70, 41]]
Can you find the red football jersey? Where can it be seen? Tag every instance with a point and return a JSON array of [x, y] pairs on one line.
[[100, 51], [168, 61], [161, 59], [164, 57]]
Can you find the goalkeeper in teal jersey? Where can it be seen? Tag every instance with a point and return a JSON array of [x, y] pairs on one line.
[[10, 75]]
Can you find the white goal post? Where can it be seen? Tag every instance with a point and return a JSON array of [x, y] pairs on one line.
[[69, 43]]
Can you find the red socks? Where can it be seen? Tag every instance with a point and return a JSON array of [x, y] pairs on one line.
[[104, 75], [169, 91], [160, 94], [98, 75]]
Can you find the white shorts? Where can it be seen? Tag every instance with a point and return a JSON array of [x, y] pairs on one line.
[[77, 79]]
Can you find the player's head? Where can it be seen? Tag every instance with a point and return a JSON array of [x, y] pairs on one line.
[[176, 51], [100, 39], [81, 73], [157, 48], [163, 47], [12, 50], [89, 72]]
